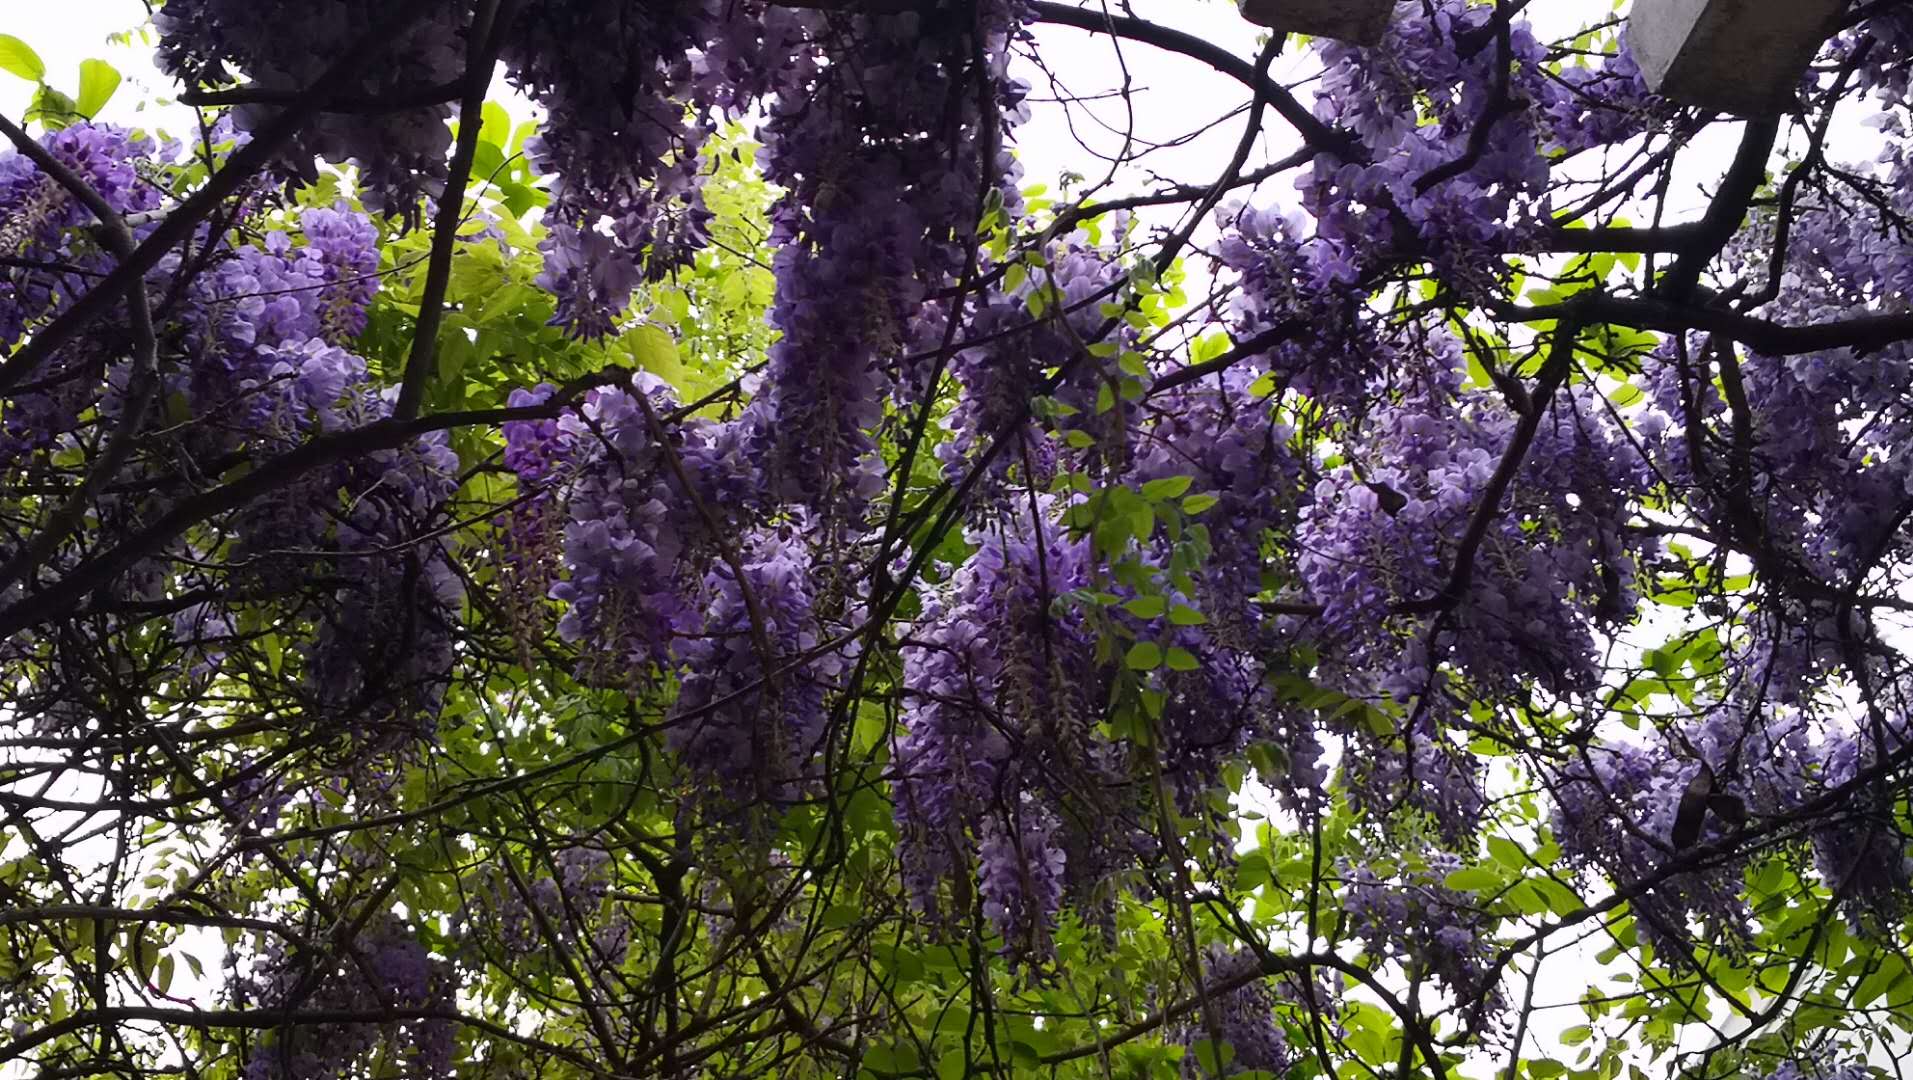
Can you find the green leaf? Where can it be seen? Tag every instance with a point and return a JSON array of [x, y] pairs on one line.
[[98, 80], [838, 916], [1876, 985], [1146, 607], [1211, 1058], [518, 198], [1253, 871], [1625, 394], [1142, 521], [1208, 347], [869, 731], [1271, 761], [52, 109], [494, 125], [1477, 374], [1181, 659], [1556, 897], [18, 57], [488, 161], [1144, 656], [1169, 487], [893, 1058], [1184, 615], [1196, 504], [652, 348], [1508, 853], [1380, 724], [1474, 879]]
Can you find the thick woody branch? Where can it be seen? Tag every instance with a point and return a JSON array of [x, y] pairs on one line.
[[481, 57], [1862, 334], [1318, 134]]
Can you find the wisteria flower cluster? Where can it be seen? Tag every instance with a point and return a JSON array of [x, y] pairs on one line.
[[257, 359], [385, 967]]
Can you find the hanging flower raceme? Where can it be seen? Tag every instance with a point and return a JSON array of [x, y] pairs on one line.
[[1406, 914], [625, 121], [751, 707], [254, 358], [889, 162], [1246, 1018], [996, 733], [52, 260], [1414, 104], [1042, 321], [1230, 443], [628, 527], [400, 152], [1333, 355], [384, 967], [1380, 542]]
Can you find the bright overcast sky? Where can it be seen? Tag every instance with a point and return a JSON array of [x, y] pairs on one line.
[[1173, 97]]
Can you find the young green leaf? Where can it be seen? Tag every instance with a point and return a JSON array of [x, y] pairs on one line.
[[98, 81], [1169, 487], [1144, 656], [1196, 504], [18, 57]]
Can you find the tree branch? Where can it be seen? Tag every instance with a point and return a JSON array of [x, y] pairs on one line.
[[482, 54], [1316, 133]]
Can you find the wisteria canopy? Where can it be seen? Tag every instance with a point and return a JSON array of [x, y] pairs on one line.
[[739, 576]]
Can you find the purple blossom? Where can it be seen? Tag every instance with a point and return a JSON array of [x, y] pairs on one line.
[[401, 154], [1408, 915], [1020, 876], [1246, 1017], [386, 966], [751, 705]]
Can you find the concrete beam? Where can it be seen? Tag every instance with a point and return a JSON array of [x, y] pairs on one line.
[[1737, 56], [1358, 22]]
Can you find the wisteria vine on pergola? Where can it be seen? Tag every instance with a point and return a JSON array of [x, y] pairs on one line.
[[734, 578]]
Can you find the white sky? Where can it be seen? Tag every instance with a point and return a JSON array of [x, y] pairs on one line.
[[65, 34]]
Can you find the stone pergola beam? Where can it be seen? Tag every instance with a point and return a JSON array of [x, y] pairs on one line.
[[1358, 22], [1737, 56]]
